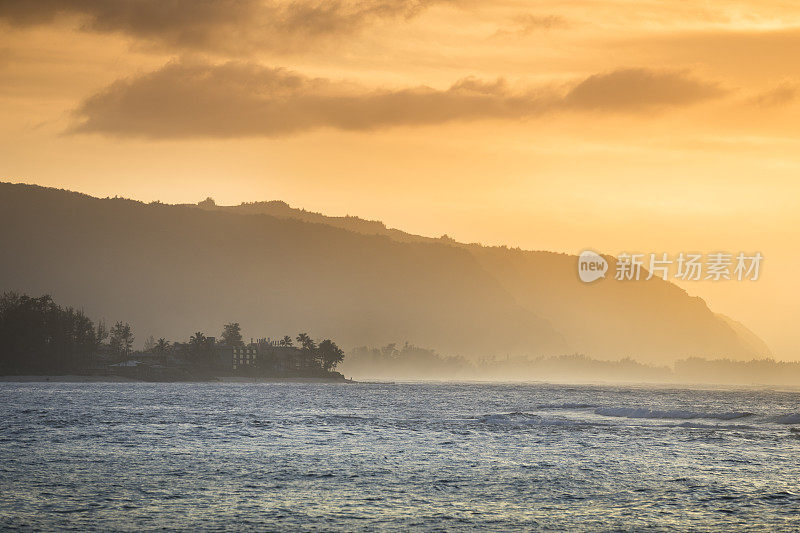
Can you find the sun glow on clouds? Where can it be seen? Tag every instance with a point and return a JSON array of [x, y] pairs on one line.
[[546, 125]]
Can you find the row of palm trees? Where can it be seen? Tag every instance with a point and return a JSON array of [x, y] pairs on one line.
[[326, 354]]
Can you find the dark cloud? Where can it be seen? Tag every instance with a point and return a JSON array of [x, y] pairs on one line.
[[632, 89], [227, 25], [243, 99]]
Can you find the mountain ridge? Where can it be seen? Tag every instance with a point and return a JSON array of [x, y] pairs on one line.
[[275, 269], [278, 208]]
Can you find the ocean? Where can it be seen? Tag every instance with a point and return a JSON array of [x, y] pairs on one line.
[[397, 457]]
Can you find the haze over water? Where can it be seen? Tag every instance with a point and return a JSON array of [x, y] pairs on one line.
[[289, 456]]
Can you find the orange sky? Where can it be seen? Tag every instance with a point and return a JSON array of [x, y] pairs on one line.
[[621, 126]]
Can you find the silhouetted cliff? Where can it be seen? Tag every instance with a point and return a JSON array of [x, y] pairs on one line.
[[171, 269]]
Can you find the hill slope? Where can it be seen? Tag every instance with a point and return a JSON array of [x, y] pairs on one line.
[[653, 321], [173, 270]]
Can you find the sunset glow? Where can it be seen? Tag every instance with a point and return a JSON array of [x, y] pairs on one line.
[[619, 125]]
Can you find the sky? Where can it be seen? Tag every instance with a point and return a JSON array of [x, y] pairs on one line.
[[621, 126]]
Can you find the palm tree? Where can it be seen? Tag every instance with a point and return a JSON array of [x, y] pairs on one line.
[[162, 346], [309, 348], [198, 345], [198, 339], [302, 339], [306, 342], [330, 355], [286, 341], [121, 338]]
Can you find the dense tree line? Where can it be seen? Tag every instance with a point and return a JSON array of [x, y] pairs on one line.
[[325, 355], [36, 335], [39, 336], [202, 350]]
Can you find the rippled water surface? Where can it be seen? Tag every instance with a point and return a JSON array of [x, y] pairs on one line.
[[290, 456]]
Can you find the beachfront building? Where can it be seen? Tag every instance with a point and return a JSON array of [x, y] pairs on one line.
[[244, 356]]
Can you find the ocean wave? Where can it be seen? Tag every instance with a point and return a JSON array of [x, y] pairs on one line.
[[566, 406], [525, 419], [698, 425], [508, 418], [671, 414], [790, 418]]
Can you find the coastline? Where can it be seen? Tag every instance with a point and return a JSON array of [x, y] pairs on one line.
[[248, 379], [77, 378], [67, 378], [74, 378]]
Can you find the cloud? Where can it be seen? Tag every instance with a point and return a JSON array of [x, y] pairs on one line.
[[783, 94], [224, 25], [527, 24], [637, 88], [237, 99]]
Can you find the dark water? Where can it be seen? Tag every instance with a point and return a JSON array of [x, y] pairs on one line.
[[114, 456]]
